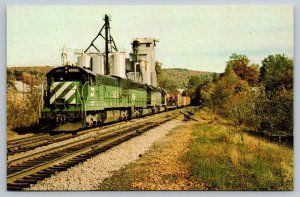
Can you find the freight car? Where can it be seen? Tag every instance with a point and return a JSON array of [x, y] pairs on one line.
[[186, 101], [176, 100]]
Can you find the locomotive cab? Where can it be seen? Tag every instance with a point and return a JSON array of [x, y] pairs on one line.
[[63, 98], [64, 85]]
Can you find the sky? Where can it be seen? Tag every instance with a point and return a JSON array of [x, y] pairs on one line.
[[192, 37]]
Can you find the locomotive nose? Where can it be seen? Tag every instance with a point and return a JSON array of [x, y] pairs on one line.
[[63, 93]]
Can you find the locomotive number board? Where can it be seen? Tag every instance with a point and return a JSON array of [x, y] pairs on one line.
[[69, 70]]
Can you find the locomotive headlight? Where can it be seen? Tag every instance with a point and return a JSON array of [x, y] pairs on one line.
[[66, 69]]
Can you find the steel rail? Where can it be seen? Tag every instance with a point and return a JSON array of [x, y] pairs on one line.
[[96, 136], [101, 146]]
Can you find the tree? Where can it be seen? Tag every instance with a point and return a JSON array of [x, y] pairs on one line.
[[194, 87], [225, 87], [267, 108], [276, 73], [215, 77], [242, 68], [238, 63], [251, 74], [10, 78], [163, 81], [194, 81], [159, 71], [277, 76]]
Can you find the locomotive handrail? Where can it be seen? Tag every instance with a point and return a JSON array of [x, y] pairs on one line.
[[78, 93], [84, 102]]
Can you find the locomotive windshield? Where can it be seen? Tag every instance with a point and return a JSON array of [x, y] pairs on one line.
[[68, 77], [70, 74]]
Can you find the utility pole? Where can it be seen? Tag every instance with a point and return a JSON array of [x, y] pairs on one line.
[[106, 27]]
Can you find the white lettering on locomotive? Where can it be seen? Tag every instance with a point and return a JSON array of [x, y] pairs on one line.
[[92, 92], [73, 70]]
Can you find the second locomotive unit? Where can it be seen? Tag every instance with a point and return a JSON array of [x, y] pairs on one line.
[[104, 87]]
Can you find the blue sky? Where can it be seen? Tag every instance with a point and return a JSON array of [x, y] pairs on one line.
[[192, 37]]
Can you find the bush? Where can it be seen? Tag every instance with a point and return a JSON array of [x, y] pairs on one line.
[[23, 109], [277, 113]]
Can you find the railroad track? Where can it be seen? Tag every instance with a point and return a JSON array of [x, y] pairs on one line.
[[28, 170], [29, 143], [38, 140]]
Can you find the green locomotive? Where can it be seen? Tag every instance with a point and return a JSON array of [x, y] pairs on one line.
[[78, 98], [105, 90]]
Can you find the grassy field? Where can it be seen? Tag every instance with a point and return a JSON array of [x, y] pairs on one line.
[[228, 159], [209, 155]]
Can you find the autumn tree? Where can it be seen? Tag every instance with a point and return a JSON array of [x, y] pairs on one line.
[[23, 108], [267, 108], [242, 68], [31, 80]]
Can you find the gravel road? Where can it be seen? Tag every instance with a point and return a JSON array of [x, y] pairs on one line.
[[88, 175]]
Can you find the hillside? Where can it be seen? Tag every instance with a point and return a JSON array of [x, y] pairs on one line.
[[179, 78], [171, 77]]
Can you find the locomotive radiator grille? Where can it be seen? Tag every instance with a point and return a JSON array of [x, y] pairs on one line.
[[65, 91]]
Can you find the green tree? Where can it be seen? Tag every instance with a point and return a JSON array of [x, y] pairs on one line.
[[163, 81], [194, 81], [194, 87], [238, 63], [276, 73], [215, 77], [159, 71], [225, 87], [277, 77], [10, 78]]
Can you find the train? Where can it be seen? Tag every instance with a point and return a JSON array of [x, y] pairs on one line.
[[177, 100], [105, 87]]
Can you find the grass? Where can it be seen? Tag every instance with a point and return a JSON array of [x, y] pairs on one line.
[[228, 159]]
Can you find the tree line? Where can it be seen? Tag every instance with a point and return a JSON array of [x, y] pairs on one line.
[[259, 97]]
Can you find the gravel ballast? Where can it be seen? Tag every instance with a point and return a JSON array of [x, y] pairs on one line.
[[82, 137], [88, 175]]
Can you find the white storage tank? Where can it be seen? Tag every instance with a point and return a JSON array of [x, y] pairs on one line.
[[98, 64], [146, 73], [84, 60], [118, 65], [153, 78]]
